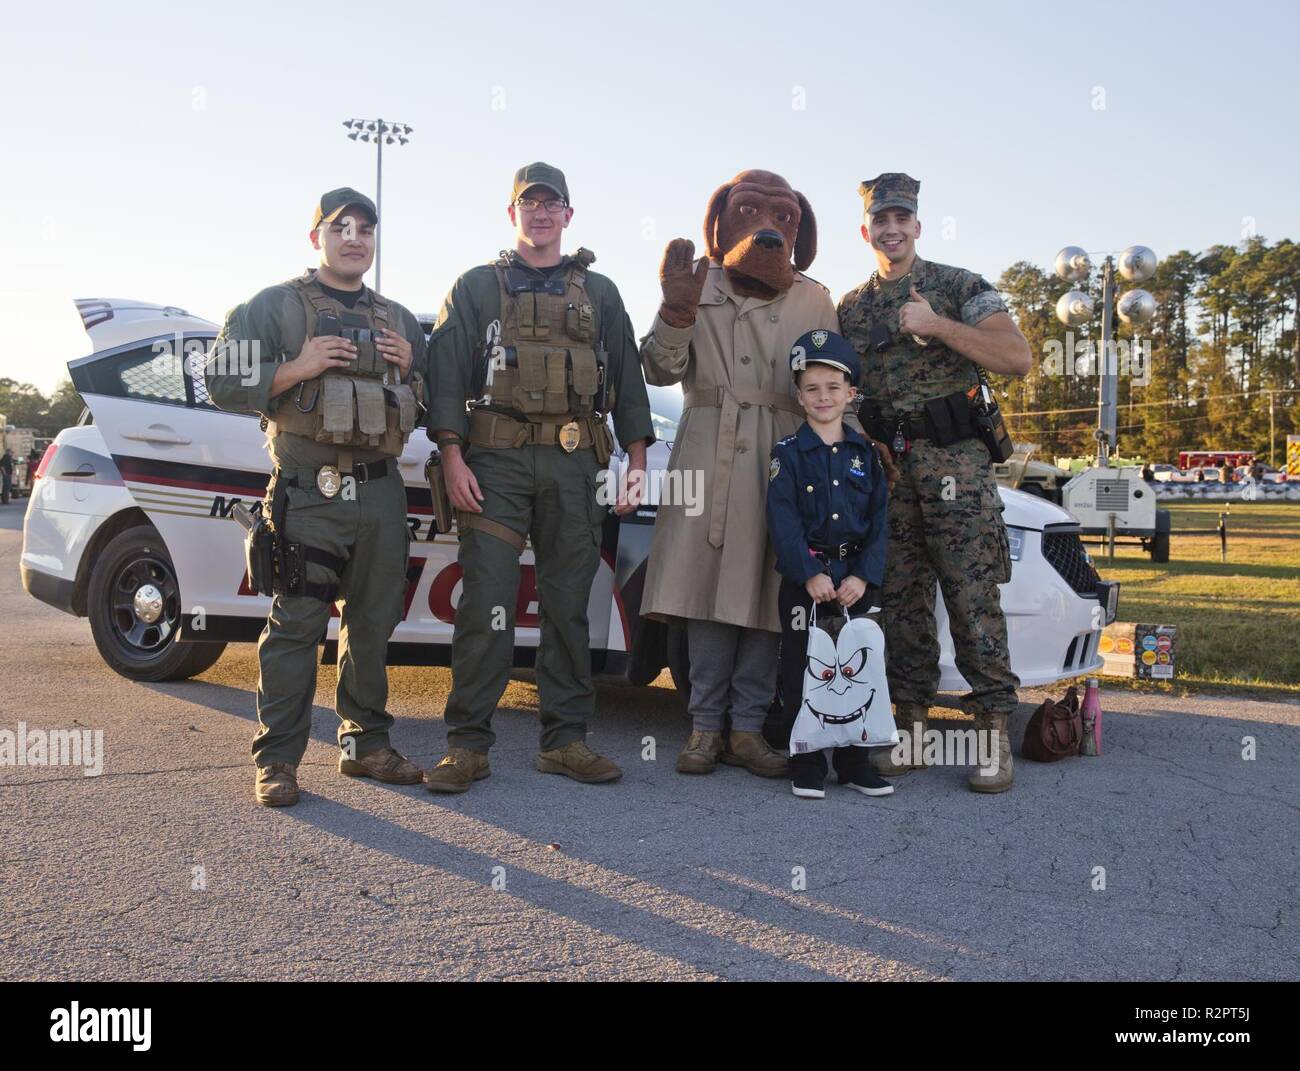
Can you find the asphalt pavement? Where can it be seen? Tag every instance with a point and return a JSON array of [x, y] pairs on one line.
[[163, 867]]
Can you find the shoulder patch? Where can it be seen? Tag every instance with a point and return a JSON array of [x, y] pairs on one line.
[[774, 469]]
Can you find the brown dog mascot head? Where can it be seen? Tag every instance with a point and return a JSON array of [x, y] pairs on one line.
[[754, 227]]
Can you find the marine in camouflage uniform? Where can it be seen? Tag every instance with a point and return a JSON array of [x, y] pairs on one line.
[[945, 514]]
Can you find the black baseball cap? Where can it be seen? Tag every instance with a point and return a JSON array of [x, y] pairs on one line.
[[333, 203], [539, 174]]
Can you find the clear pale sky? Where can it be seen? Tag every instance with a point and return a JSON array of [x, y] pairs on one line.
[[174, 155]]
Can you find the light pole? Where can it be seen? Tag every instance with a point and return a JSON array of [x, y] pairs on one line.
[[378, 131], [1136, 264]]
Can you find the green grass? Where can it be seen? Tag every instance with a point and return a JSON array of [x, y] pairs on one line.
[[1238, 621]]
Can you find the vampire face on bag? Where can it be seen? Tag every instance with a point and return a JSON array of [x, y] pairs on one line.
[[841, 686]]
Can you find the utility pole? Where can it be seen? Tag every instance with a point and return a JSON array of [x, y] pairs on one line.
[[1270, 429], [378, 131]]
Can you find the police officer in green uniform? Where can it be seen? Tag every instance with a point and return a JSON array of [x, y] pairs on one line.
[[529, 354], [335, 382], [923, 332]]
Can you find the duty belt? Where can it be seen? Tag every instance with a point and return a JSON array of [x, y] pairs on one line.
[[328, 479], [731, 401], [838, 551], [489, 428], [897, 432]]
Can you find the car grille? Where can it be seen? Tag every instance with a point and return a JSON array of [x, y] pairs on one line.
[[1064, 553]]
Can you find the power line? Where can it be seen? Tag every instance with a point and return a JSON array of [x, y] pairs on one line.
[[1167, 402]]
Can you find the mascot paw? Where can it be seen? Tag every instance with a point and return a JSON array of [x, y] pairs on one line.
[[682, 282]]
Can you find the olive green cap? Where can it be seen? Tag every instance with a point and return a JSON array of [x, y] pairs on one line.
[[331, 204], [539, 174], [893, 189]]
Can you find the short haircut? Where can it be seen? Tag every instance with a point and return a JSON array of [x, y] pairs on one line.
[[800, 371]]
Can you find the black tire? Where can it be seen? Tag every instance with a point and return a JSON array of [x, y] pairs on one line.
[[140, 648], [1160, 547]]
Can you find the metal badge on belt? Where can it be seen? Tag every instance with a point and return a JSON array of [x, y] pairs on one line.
[[328, 481], [570, 436]]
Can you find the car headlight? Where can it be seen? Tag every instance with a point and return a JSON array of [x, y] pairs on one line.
[[1016, 538]]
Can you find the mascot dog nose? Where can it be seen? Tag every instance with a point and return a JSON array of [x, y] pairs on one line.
[[769, 239]]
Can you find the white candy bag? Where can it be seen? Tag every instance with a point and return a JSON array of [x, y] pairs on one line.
[[845, 694]]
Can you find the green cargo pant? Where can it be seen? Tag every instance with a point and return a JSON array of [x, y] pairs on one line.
[[945, 524], [550, 496], [368, 529]]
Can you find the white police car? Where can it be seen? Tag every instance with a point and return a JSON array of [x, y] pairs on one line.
[[128, 525]]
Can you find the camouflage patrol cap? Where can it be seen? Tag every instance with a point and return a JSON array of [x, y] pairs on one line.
[[893, 189], [539, 174], [331, 204]]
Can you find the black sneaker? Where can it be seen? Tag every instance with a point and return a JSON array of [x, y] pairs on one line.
[[868, 782], [807, 783]]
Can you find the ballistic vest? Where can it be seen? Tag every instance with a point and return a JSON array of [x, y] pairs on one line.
[[549, 334], [353, 406]]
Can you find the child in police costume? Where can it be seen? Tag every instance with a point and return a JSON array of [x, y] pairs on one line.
[[826, 515]]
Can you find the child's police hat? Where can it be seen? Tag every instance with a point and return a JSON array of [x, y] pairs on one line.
[[825, 347]]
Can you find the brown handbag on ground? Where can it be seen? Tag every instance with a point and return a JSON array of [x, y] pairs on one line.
[[1055, 730]]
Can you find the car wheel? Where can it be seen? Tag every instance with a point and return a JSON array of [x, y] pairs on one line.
[[134, 605]]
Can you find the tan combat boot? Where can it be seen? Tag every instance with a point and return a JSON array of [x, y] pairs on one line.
[[384, 765], [701, 753], [1000, 779], [277, 785], [754, 753], [913, 718], [458, 769], [578, 761]]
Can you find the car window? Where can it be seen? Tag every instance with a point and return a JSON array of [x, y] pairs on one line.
[[151, 375], [149, 371], [194, 365]]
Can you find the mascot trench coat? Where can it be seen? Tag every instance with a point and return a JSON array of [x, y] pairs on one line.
[[734, 368]]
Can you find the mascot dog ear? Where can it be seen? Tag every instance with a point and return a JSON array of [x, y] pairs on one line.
[[805, 242], [711, 220]]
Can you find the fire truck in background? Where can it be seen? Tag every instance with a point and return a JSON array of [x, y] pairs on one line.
[[1189, 460]]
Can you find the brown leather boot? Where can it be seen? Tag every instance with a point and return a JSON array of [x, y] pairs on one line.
[[578, 761], [458, 769], [277, 784], [700, 755], [752, 752], [915, 719], [384, 765], [1000, 779]]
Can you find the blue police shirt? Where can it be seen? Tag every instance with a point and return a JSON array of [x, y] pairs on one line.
[[827, 495]]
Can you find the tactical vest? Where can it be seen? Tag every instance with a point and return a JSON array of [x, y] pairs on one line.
[[354, 406], [899, 381], [549, 334]]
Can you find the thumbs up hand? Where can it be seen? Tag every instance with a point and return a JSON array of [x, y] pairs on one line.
[[916, 318]]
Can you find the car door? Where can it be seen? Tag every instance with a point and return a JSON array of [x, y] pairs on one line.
[[185, 462]]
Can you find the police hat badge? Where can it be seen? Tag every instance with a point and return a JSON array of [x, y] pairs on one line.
[[819, 338]]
